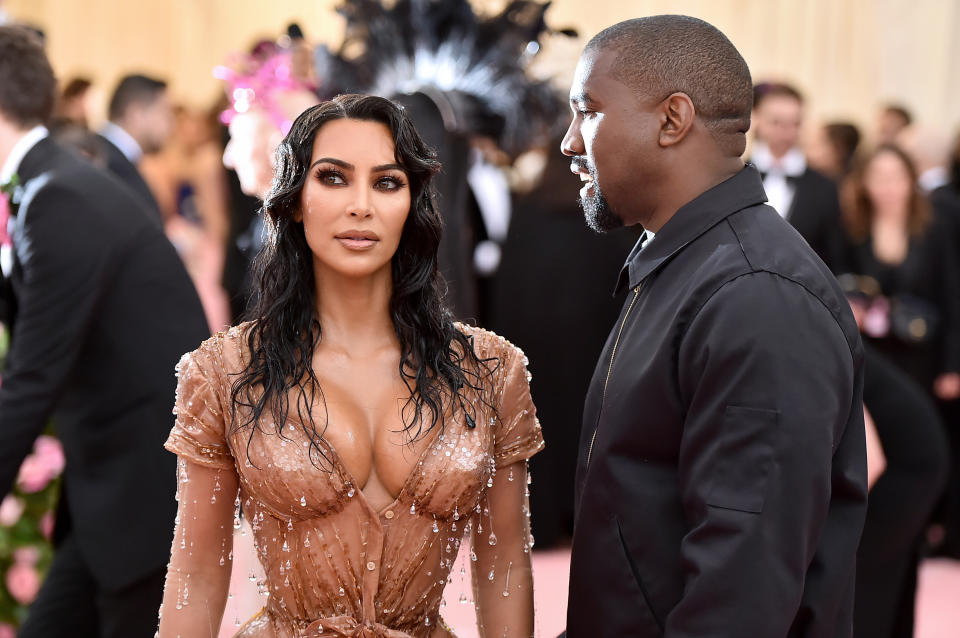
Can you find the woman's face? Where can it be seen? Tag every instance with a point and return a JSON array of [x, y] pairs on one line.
[[888, 183], [821, 154], [356, 198]]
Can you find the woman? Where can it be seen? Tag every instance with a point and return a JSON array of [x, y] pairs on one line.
[[833, 150], [365, 431], [905, 260]]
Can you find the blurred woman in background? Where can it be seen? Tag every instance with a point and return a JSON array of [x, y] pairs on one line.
[[833, 150], [904, 254]]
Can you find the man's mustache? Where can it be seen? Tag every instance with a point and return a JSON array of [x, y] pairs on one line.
[[579, 163]]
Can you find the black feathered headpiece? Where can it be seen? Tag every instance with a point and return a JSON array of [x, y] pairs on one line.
[[474, 68]]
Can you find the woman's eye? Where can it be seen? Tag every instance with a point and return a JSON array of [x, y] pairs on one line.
[[332, 178], [388, 184]]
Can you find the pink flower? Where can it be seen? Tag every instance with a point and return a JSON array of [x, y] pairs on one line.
[[23, 583], [45, 464], [7, 631], [10, 511], [46, 527], [27, 555], [51, 454], [34, 475]]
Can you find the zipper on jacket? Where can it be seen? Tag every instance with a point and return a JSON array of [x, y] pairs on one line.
[[603, 397]]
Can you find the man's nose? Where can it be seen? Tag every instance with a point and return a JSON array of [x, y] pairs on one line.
[[572, 143]]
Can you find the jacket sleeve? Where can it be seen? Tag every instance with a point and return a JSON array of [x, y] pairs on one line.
[[64, 265], [770, 382], [947, 276]]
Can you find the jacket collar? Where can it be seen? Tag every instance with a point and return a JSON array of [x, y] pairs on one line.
[[33, 163], [691, 220]]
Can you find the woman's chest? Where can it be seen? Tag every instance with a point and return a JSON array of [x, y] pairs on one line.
[[297, 476]]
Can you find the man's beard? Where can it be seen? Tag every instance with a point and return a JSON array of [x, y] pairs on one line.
[[600, 217]]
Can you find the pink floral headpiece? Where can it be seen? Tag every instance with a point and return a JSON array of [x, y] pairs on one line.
[[255, 80]]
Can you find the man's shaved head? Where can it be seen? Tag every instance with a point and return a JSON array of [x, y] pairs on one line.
[[661, 55]]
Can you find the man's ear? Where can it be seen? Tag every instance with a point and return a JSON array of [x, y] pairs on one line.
[[677, 115]]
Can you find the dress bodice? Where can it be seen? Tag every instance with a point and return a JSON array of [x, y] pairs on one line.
[[335, 566]]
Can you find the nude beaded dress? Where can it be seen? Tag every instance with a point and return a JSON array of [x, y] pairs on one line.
[[334, 566]]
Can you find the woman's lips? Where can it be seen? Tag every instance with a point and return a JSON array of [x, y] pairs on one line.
[[357, 240]]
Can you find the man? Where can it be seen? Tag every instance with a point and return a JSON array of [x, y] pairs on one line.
[[891, 121], [255, 131], [721, 486], [141, 121], [101, 309], [807, 199]]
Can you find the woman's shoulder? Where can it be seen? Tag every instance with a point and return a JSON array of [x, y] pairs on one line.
[[222, 352], [487, 344]]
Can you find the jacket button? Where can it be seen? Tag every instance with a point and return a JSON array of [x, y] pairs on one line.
[[389, 514], [371, 566]]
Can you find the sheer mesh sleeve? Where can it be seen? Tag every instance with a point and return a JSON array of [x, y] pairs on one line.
[[198, 576], [517, 435], [198, 433], [501, 541], [500, 531]]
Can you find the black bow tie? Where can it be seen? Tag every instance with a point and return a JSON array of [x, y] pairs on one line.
[[791, 179]]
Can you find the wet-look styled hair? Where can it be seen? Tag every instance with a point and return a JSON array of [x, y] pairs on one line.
[[438, 364]]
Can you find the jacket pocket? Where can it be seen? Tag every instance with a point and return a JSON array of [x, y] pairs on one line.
[[746, 459], [645, 598]]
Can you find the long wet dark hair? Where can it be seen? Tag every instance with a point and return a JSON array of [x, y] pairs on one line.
[[437, 362]]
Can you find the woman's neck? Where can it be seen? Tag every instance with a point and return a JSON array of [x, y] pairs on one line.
[[354, 312], [890, 218]]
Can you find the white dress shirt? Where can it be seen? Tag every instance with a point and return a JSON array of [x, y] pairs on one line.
[[10, 167], [779, 190], [122, 140], [20, 150]]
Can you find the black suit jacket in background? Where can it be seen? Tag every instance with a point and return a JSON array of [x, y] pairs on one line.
[[129, 174], [104, 310], [815, 213], [721, 487]]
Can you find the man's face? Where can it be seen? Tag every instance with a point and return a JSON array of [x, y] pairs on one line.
[[611, 140], [889, 125], [777, 122], [253, 140], [156, 123]]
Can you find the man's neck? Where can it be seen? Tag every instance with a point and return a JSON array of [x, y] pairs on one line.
[[674, 197]]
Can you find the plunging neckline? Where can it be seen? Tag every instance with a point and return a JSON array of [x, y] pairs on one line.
[[354, 484]]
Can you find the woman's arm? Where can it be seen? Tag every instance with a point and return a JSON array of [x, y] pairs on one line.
[[876, 459], [198, 577], [502, 576]]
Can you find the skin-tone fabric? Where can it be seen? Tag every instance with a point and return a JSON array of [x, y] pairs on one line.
[[334, 565]]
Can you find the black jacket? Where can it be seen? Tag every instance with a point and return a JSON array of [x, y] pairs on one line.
[[815, 213], [104, 310], [129, 174], [721, 486]]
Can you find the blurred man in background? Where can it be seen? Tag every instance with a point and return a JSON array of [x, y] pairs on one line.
[[141, 120], [804, 197], [100, 309]]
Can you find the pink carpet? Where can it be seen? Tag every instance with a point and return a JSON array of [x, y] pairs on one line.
[[938, 600]]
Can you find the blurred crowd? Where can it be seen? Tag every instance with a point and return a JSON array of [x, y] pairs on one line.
[[880, 205]]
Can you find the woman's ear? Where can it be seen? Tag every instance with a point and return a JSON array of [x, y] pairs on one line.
[[297, 215]]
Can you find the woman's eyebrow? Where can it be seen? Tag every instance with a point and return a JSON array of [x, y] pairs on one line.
[[387, 167], [335, 162]]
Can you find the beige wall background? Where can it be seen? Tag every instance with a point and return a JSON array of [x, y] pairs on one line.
[[848, 56]]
